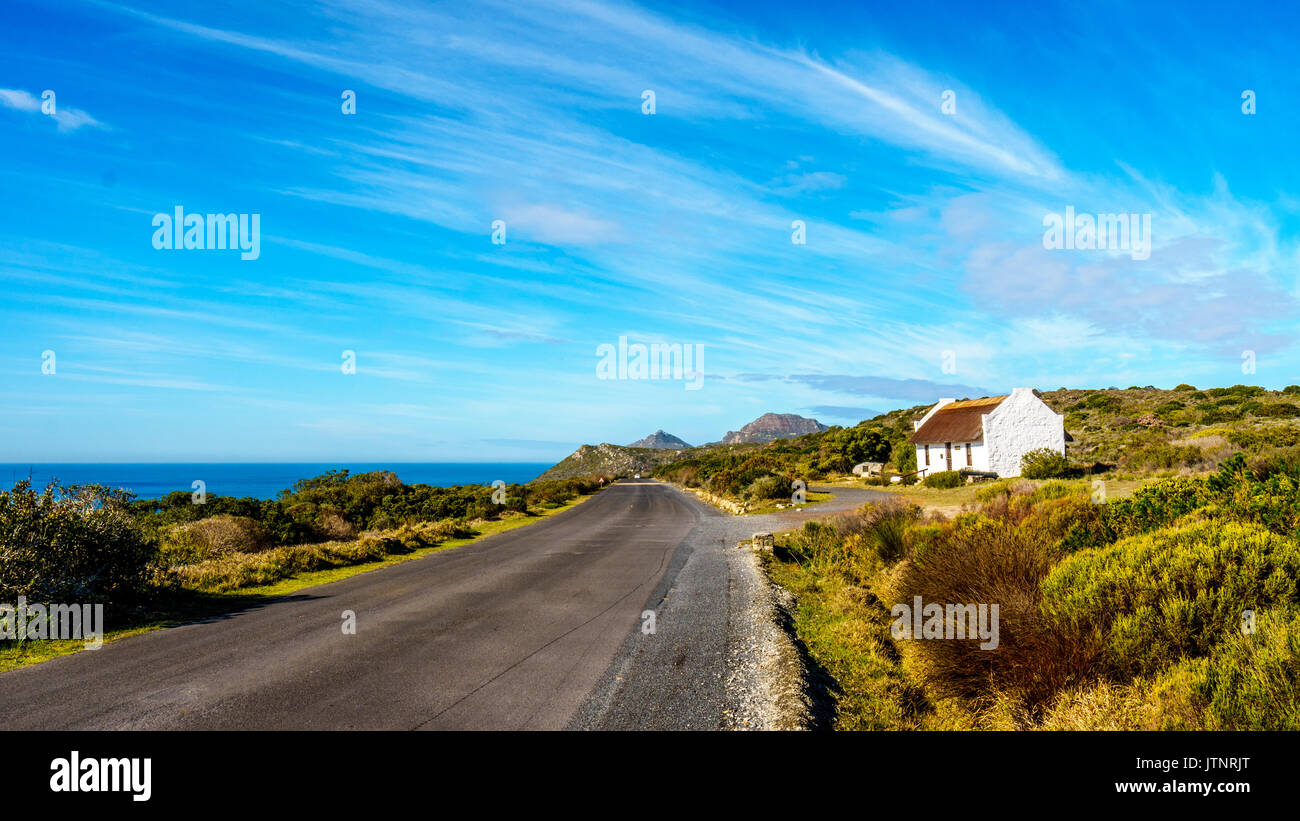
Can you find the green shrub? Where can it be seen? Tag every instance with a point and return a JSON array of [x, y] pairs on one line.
[[1270, 499], [1278, 410], [1164, 456], [768, 487], [1068, 523], [1044, 463], [944, 479], [1250, 682], [1096, 400], [211, 537], [880, 528], [1155, 598], [1253, 438], [904, 455], [816, 544], [841, 449], [1185, 387], [1214, 416], [993, 490], [74, 544], [1154, 505]]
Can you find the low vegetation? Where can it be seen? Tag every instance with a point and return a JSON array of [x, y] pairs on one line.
[[1176, 607]]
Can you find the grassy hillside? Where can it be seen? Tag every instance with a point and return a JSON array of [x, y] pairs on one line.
[[611, 461], [1117, 433], [1147, 429]]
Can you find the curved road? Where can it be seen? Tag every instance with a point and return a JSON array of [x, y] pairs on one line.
[[536, 628]]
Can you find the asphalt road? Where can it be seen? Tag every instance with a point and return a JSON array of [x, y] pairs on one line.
[[513, 632]]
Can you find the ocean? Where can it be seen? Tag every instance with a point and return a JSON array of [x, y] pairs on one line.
[[258, 479]]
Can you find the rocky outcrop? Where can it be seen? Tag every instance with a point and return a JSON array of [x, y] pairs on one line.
[[611, 461], [660, 441], [772, 426]]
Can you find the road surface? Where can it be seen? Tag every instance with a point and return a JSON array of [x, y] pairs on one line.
[[535, 628]]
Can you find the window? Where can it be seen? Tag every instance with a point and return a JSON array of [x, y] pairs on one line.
[[927, 455]]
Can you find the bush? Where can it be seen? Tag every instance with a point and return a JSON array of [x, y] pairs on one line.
[[1164, 456], [1215, 416], [880, 528], [1278, 410], [1154, 505], [1270, 499], [1095, 400], [944, 479], [768, 487], [816, 544], [212, 537], [1250, 682], [1253, 438], [1184, 387], [74, 545], [904, 456], [986, 561], [1044, 463], [993, 490], [236, 570], [1068, 523], [1155, 598]]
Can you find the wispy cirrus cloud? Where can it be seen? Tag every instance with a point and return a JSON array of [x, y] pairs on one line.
[[68, 119], [843, 412], [922, 229], [922, 390]]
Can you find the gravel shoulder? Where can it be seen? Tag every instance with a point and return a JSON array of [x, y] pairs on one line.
[[720, 656]]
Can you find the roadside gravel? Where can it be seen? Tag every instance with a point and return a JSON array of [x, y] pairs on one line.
[[720, 657]]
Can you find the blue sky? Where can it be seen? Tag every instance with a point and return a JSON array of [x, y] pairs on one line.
[[923, 273]]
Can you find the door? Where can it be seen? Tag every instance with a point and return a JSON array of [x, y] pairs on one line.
[[947, 455]]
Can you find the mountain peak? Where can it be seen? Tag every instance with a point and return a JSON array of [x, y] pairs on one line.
[[772, 426], [660, 440]]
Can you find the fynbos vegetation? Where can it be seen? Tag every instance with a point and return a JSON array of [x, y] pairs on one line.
[[1175, 607]]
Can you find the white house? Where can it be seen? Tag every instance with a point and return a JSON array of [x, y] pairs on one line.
[[988, 435]]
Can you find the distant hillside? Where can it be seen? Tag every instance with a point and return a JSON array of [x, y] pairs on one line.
[[1131, 430], [772, 426], [660, 440], [611, 460], [1140, 429]]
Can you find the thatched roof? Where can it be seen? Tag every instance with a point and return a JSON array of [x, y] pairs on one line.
[[956, 422]]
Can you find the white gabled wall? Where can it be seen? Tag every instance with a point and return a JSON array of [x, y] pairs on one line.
[[1022, 423], [979, 457]]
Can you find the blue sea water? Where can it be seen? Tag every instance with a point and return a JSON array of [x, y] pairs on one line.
[[260, 480]]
